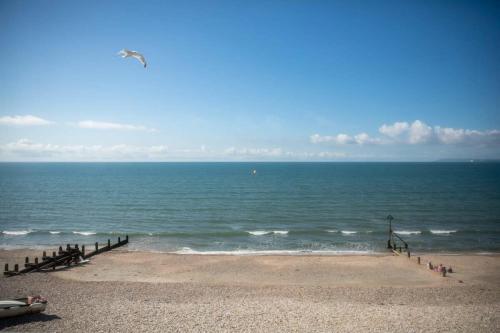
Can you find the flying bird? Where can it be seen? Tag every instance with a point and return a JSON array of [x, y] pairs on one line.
[[134, 54]]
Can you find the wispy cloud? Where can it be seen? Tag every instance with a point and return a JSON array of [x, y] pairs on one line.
[[273, 152], [25, 149], [280, 154], [344, 139], [27, 120], [417, 132], [101, 125]]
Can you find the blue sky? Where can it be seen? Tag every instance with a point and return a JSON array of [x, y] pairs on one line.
[[249, 80]]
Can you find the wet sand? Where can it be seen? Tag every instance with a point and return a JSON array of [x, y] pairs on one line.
[[141, 291]]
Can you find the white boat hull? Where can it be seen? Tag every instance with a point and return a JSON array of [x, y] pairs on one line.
[[11, 308]]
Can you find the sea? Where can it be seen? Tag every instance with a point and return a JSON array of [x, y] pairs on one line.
[[252, 208]]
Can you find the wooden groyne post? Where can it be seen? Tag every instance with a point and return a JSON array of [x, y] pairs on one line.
[[62, 257], [389, 218]]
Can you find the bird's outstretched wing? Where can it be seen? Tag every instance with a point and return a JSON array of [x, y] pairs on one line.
[[124, 53], [134, 54], [141, 59]]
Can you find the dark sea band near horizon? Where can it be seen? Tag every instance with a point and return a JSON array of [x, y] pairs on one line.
[[296, 208]]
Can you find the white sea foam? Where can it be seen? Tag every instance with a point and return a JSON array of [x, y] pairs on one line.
[[84, 233], [187, 250], [348, 232], [16, 232], [55, 232], [408, 232], [258, 232], [442, 232], [333, 231], [280, 232]]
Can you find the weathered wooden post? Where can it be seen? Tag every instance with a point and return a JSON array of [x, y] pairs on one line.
[[408, 254], [126, 238], [118, 240], [76, 246], [36, 260], [418, 260], [16, 268], [6, 267], [443, 272], [53, 254], [67, 247], [96, 246], [44, 255], [26, 261], [83, 251], [109, 244], [60, 249], [390, 218]]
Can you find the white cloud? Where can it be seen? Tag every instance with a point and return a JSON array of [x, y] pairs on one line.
[[395, 129], [280, 154], [458, 135], [330, 155], [450, 135], [25, 149], [262, 152], [344, 139], [419, 132], [27, 120], [101, 125], [365, 139], [415, 133]]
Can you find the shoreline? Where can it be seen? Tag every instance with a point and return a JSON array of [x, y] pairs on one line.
[[312, 253]]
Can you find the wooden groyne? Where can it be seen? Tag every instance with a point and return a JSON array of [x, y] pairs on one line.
[[63, 257], [395, 243], [398, 246]]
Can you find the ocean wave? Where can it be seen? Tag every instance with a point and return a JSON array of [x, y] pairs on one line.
[[258, 232], [188, 250], [407, 232], [16, 232], [54, 232], [84, 233], [442, 232], [332, 231], [348, 232], [264, 232]]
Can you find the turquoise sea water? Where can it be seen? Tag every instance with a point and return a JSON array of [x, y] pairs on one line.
[[225, 208]]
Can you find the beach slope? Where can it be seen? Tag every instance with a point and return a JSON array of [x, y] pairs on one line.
[[140, 291]]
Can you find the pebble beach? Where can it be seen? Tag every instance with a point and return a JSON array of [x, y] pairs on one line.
[[125, 291]]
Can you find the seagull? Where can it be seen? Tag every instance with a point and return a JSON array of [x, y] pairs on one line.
[[134, 54]]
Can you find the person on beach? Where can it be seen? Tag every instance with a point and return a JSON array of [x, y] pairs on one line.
[[36, 299]]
